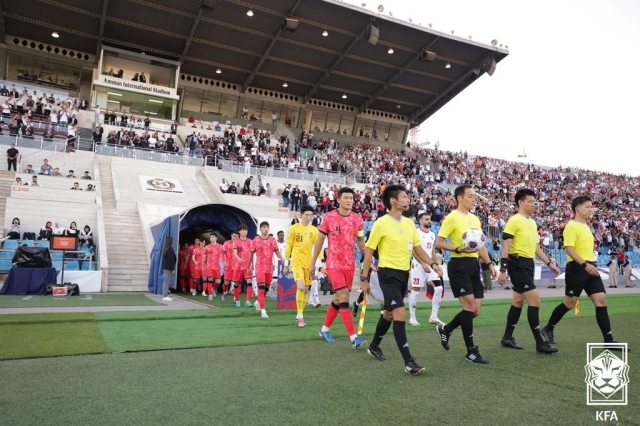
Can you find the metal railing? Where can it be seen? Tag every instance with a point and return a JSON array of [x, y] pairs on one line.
[[147, 154]]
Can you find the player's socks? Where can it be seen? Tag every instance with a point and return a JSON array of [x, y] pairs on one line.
[[513, 316], [249, 293], [347, 319], [556, 316], [533, 315], [466, 324], [300, 302], [261, 297], [413, 301], [453, 324], [400, 333], [194, 285], [236, 292], [330, 317], [381, 329], [225, 288], [436, 301], [306, 298], [602, 317]]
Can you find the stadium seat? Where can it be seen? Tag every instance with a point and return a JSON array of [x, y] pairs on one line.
[[57, 264], [5, 265], [28, 243], [10, 244], [88, 266], [5, 254], [56, 255], [44, 243], [72, 265]]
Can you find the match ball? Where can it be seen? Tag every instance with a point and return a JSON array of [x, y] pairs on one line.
[[473, 239]]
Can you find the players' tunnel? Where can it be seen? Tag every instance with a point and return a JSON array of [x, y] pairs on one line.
[[194, 222]]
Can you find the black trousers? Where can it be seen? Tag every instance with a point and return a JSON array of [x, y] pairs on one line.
[[13, 163]]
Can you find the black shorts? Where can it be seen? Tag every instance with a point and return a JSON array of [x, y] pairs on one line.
[[464, 277], [578, 279], [521, 274], [394, 285]]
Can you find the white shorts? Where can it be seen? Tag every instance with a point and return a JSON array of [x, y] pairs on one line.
[[374, 288], [419, 278]]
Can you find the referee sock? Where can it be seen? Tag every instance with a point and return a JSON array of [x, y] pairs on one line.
[[466, 324], [556, 316], [453, 324], [400, 333], [602, 316], [533, 315], [381, 329], [512, 320]]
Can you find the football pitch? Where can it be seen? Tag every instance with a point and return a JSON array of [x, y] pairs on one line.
[[228, 366]]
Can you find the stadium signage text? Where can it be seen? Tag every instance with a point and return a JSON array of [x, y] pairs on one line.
[[135, 86]]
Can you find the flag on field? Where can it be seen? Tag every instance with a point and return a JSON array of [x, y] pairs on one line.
[[577, 309], [362, 314]]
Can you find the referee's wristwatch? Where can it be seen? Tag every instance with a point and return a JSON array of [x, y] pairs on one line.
[[457, 250], [364, 278]]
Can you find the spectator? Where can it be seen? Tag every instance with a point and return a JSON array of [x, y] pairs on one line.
[[14, 231], [142, 78], [12, 157], [168, 267], [97, 133], [71, 175], [29, 170], [45, 168], [56, 172], [86, 175], [19, 181], [34, 181], [72, 231], [58, 229], [86, 234], [90, 187], [76, 187], [45, 232]]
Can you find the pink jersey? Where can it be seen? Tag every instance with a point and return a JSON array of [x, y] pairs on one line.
[[213, 253], [264, 249], [198, 254], [244, 249], [227, 252], [341, 232]]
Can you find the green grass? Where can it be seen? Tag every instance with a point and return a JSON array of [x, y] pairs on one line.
[[76, 301], [315, 383]]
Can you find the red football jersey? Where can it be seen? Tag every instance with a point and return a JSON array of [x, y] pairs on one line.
[[197, 256], [227, 252], [213, 253], [264, 249], [244, 249], [341, 232]]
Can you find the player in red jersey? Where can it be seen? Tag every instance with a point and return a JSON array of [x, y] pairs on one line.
[[264, 247], [197, 255], [227, 261], [212, 252], [242, 268], [342, 227], [183, 267]]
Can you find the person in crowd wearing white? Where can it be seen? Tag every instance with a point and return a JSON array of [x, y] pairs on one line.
[[86, 234], [13, 231], [58, 229]]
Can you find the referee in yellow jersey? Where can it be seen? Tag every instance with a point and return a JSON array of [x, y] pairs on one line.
[[463, 270], [581, 273], [520, 244], [396, 238]]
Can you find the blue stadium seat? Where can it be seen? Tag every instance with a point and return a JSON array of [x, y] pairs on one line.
[[28, 243], [6, 254], [57, 264], [56, 255], [88, 266], [43, 243], [5, 265], [10, 244], [72, 265]]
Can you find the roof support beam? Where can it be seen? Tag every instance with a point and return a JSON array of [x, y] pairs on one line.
[[326, 73], [265, 53], [103, 19], [196, 21], [435, 98], [393, 77]]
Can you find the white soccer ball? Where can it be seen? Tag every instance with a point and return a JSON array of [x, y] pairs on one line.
[[473, 239]]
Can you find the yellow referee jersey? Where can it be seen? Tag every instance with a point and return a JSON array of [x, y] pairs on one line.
[[579, 236], [300, 243], [394, 240], [525, 235], [456, 224]]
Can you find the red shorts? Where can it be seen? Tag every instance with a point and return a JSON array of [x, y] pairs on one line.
[[340, 278], [184, 273], [238, 274], [196, 273], [264, 277], [212, 273]]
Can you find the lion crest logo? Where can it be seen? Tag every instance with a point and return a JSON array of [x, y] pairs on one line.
[[160, 183], [607, 374]]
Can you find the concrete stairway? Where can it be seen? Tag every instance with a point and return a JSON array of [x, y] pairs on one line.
[[212, 194], [6, 180], [128, 260]]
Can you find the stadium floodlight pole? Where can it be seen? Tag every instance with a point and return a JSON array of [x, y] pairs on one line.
[[267, 50], [435, 98], [396, 74], [103, 19]]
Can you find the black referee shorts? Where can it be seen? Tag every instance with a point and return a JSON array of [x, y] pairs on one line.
[[577, 280], [394, 284], [464, 277], [521, 270]]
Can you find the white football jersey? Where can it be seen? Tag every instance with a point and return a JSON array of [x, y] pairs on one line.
[[281, 248], [428, 241]]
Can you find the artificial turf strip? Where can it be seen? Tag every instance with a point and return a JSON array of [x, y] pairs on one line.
[[77, 301], [313, 383], [47, 340]]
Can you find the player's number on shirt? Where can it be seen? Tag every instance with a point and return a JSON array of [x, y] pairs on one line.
[[416, 282]]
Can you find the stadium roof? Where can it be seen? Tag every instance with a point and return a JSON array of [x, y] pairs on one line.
[[253, 51]]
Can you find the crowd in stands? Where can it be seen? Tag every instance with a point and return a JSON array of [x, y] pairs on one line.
[[128, 137], [47, 169]]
